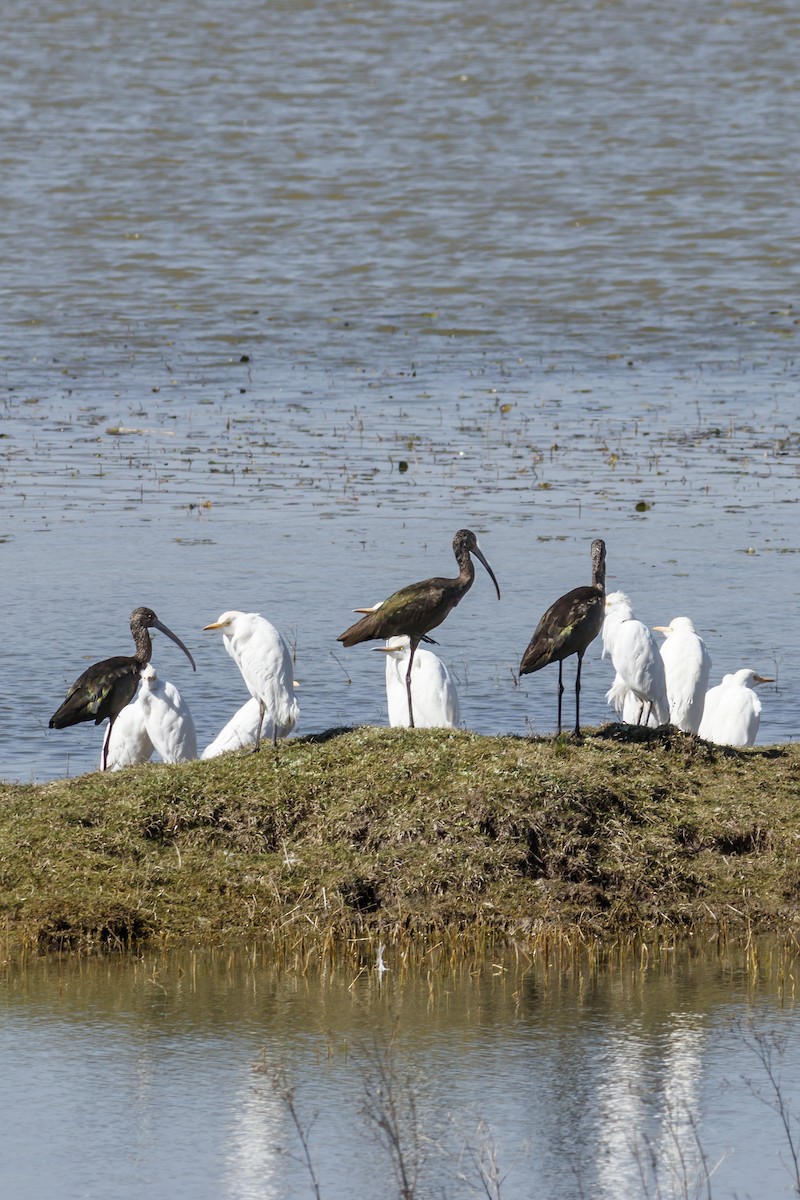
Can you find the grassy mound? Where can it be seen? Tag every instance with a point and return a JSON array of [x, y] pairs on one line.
[[392, 831]]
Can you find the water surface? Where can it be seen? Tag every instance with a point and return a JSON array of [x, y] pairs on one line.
[[568, 1074], [293, 294]]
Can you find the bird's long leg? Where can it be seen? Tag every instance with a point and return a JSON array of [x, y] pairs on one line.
[[412, 644], [105, 743], [578, 698], [649, 712], [641, 714], [560, 691], [262, 708]]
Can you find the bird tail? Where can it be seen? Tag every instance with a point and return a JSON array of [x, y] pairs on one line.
[[364, 630], [72, 712], [615, 696], [539, 654]]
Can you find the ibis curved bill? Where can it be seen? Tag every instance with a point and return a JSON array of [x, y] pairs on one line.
[[415, 610]]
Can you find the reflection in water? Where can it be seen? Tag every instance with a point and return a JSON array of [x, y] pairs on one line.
[[254, 1139], [621, 1110], [677, 1154], [579, 1076], [648, 1112]]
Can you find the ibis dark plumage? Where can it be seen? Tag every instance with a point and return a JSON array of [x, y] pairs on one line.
[[568, 626], [106, 687], [415, 610]]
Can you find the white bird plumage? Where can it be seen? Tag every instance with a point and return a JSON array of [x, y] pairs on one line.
[[170, 725], [628, 705], [127, 742], [265, 662], [732, 712], [240, 731], [639, 689], [688, 665], [433, 691]]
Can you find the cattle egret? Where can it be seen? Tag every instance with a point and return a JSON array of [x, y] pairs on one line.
[[168, 720], [637, 662], [432, 688], [126, 742], [239, 732], [732, 712], [264, 659], [687, 664]]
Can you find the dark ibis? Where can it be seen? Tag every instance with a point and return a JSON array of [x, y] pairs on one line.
[[104, 689], [568, 626], [417, 609]]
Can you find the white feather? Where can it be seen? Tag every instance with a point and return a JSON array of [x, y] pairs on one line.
[[640, 683], [265, 662], [240, 731], [169, 722], [687, 664], [128, 741], [732, 712], [433, 692]]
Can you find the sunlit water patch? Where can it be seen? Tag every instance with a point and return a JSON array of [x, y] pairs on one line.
[[562, 1075]]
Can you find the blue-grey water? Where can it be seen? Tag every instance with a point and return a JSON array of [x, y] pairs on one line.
[[291, 293], [256, 262], [636, 1074]]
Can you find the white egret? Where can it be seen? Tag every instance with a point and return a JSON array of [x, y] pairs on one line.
[[433, 692], [126, 742], [264, 659], [688, 665], [640, 681], [169, 723], [239, 732], [732, 712]]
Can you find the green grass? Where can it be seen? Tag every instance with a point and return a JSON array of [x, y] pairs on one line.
[[385, 832]]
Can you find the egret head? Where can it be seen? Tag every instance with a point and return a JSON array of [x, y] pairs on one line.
[[748, 678], [396, 646], [676, 625], [148, 676], [618, 604], [224, 621]]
